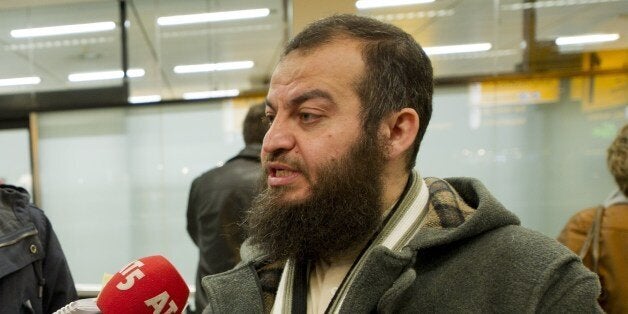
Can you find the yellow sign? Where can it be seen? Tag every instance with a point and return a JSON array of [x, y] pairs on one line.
[[600, 91], [515, 92], [605, 90]]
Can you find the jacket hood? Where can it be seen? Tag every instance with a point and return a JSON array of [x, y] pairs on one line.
[[459, 208], [11, 196]]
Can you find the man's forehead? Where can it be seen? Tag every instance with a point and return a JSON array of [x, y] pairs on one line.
[[341, 58], [333, 68], [339, 39], [339, 48]]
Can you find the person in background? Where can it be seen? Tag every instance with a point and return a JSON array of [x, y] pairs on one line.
[[345, 224], [34, 274], [600, 234], [218, 200]]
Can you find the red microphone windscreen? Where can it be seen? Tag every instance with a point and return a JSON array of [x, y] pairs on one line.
[[149, 285]]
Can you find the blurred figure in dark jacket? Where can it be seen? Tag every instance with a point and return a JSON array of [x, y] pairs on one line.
[[34, 274], [600, 234], [218, 200]]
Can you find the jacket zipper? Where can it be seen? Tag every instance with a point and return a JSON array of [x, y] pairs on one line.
[[19, 238]]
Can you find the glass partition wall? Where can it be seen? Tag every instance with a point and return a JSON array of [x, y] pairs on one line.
[[528, 96], [115, 180], [15, 168]]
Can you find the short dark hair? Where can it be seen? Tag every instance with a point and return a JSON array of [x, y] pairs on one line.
[[398, 73], [254, 127], [617, 159]]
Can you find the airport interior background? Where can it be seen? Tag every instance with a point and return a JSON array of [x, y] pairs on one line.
[[108, 124]]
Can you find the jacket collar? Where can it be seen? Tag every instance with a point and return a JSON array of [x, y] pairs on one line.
[[251, 151], [617, 197], [13, 196]]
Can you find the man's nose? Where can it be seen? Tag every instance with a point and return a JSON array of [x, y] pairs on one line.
[[279, 137]]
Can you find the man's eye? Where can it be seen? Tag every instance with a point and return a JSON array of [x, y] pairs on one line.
[[308, 117], [269, 119]]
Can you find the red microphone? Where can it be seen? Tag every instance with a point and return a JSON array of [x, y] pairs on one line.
[[148, 285]]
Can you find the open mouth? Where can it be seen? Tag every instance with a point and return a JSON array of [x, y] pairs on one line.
[[281, 173]]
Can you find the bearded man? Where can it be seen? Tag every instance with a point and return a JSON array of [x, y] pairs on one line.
[[345, 224]]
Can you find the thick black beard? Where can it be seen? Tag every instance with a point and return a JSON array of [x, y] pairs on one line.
[[341, 214]]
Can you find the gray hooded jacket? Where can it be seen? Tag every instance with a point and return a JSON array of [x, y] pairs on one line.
[[470, 256]]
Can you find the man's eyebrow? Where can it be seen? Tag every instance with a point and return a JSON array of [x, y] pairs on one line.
[[312, 94]]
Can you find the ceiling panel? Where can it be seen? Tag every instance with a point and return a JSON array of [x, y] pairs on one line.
[[158, 49]]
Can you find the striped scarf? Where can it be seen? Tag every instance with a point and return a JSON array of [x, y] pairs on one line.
[[401, 226]]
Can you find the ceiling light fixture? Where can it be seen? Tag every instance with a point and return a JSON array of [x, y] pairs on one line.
[[30, 80], [212, 17], [550, 4], [586, 39], [104, 75], [211, 94], [144, 99], [371, 4], [63, 30], [211, 67], [439, 50], [413, 15]]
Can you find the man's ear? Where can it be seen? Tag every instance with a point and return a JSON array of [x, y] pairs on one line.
[[400, 130]]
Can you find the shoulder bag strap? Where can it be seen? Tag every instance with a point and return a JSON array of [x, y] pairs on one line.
[[593, 239], [596, 236]]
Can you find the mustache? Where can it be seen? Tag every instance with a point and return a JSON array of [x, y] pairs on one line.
[[294, 163]]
